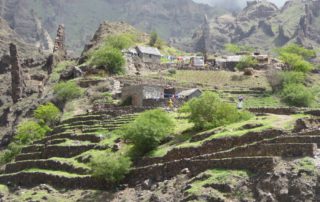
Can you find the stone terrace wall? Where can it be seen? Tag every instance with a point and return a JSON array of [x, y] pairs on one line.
[[280, 111], [159, 172], [211, 146]]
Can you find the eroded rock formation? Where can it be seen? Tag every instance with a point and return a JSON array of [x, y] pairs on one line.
[[17, 84]]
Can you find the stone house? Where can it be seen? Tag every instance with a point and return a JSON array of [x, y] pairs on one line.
[[189, 94], [149, 54], [135, 95]]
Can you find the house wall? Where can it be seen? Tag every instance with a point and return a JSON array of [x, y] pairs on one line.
[[150, 58], [153, 92], [136, 92]]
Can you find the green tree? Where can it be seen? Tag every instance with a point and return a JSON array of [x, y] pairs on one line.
[[110, 166], [246, 61], [148, 130], [66, 91], [209, 111], [295, 57], [297, 95], [297, 50], [29, 131], [153, 38], [49, 113], [110, 58]]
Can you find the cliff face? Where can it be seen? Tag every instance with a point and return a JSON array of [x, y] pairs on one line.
[[24, 22], [170, 18], [264, 26]]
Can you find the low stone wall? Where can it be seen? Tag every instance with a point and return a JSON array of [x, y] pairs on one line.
[[44, 164], [279, 111], [90, 138], [115, 111], [160, 172], [297, 139], [211, 146], [313, 112], [281, 150], [306, 124], [27, 179]]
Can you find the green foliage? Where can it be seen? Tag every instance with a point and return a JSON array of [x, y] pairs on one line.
[[209, 111], [120, 42], [295, 57], [66, 91], [153, 38], [10, 153], [291, 77], [235, 48], [297, 50], [297, 95], [49, 113], [246, 62], [110, 166], [30, 131], [149, 128], [110, 58]]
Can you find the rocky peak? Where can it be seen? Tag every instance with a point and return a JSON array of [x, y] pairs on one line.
[[258, 10]]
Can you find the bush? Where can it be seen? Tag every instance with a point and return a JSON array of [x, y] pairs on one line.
[[297, 95], [29, 131], [49, 113], [66, 91], [112, 167], [110, 58], [297, 50], [10, 153], [246, 62], [291, 77], [119, 42], [295, 57], [209, 111], [148, 130]]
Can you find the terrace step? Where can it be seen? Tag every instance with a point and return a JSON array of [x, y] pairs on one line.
[[297, 139], [47, 164], [162, 171], [58, 151], [85, 137], [55, 179], [32, 148]]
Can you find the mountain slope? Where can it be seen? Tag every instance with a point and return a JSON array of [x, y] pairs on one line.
[[170, 18], [263, 25]]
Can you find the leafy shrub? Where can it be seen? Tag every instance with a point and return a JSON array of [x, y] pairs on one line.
[[297, 50], [111, 166], [66, 91], [110, 58], [149, 128], [10, 153], [49, 113], [295, 57], [297, 95], [120, 42], [29, 131], [290, 77], [246, 62], [209, 111]]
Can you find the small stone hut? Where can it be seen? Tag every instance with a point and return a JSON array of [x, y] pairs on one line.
[[149, 54], [138, 93]]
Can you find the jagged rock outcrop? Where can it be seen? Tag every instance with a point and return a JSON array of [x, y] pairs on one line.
[[17, 84], [60, 40], [262, 25], [25, 23]]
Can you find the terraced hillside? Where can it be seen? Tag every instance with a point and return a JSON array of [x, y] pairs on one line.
[[59, 159]]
